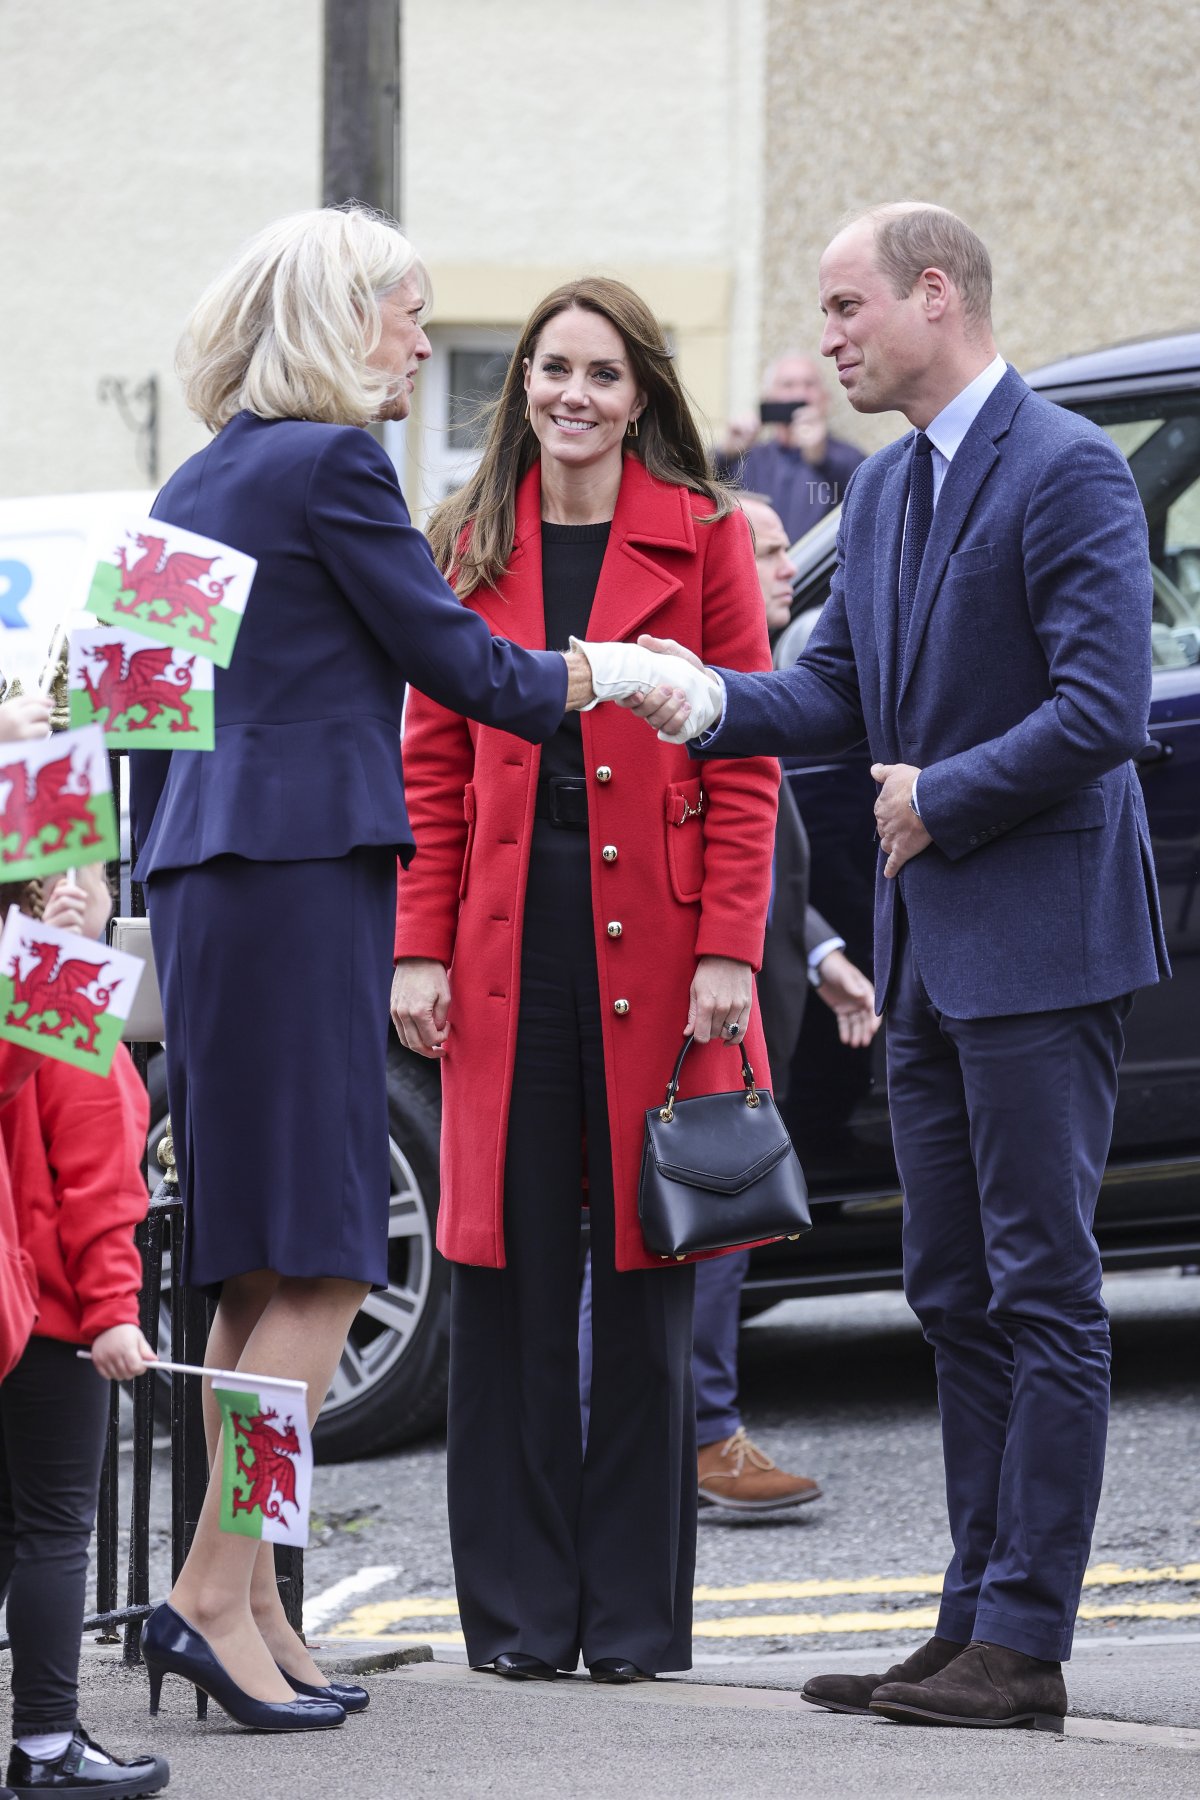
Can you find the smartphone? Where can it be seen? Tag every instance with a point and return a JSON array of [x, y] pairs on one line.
[[779, 412]]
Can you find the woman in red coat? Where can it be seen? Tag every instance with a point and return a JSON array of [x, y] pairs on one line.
[[571, 912]]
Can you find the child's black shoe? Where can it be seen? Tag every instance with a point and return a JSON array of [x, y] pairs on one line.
[[85, 1768]]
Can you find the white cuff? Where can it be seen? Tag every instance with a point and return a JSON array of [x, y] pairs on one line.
[[817, 957]]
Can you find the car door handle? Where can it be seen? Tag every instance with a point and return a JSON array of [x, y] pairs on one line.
[[1152, 751]]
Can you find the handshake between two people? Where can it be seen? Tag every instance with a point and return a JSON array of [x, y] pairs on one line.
[[658, 680]]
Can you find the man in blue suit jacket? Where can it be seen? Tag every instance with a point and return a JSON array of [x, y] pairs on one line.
[[988, 633]]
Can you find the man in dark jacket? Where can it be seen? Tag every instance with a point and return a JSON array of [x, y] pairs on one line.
[[801, 469]]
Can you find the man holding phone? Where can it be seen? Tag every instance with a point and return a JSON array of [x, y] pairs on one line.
[[797, 463]]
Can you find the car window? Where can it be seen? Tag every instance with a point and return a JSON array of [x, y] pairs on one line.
[[1161, 438]]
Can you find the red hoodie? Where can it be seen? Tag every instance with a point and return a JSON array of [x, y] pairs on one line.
[[18, 1285], [76, 1143]]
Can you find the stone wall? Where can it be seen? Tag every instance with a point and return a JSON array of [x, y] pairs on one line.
[[1066, 132]]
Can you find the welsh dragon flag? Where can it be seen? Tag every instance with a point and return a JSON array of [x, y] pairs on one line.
[[266, 1472], [62, 995], [172, 585]]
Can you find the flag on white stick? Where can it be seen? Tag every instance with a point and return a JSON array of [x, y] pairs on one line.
[[267, 1460]]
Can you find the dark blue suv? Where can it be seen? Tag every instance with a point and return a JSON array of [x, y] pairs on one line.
[[1147, 397]]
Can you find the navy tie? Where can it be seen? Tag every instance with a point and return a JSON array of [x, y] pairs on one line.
[[916, 530]]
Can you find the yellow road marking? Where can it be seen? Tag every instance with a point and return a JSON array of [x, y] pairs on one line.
[[915, 1618], [760, 1625], [1102, 1575], [376, 1619]]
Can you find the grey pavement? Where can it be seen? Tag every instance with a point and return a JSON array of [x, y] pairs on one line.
[[435, 1729]]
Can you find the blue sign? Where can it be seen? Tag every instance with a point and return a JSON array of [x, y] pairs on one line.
[[16, 579]]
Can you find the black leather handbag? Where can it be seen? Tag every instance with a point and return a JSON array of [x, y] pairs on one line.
[[718, 1171]]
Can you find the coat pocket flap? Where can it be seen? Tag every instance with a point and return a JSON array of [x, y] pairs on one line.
[[684, 800], [1081, 811]]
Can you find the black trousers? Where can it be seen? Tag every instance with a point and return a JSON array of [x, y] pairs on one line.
[[53, 1413], [556, 1552]]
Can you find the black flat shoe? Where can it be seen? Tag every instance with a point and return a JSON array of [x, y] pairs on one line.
[[349, 1697], [170, 1646], [516, 1666], [616, 1671], [85, 1768]]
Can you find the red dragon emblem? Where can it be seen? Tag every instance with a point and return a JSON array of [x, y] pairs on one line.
[[177, 582], [50, 804], [271, 1475], [142, 681], [60, 991]]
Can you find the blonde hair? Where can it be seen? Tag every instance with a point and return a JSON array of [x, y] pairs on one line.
[[286, 331], [471, 534]]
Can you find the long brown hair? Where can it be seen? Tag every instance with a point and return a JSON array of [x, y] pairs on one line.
[[668, 440]]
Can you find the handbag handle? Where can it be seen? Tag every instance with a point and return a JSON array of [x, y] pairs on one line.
[[667, 1110]]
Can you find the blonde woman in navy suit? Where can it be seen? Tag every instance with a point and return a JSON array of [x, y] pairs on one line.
[[271, 861]]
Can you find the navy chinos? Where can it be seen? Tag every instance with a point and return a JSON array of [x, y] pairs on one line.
[[1002, 1127]]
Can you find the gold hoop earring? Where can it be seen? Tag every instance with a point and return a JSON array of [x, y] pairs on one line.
[[631, 430]]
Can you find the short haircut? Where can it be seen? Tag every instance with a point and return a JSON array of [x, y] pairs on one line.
[[285, 332], [911, 237]]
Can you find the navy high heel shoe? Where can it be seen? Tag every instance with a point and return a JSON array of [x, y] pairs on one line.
[[347, 1695], [170, 1646]]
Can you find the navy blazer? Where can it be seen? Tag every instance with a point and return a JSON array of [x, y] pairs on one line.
[[1024, 692], [347, 605]]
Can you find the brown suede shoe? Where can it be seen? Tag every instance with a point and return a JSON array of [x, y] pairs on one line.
[[736, 1474], [853, 1693], [986, 1685]]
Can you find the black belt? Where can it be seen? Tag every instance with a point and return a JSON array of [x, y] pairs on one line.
[[562, 801]]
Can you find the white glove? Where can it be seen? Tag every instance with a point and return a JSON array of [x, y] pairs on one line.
[[621, 670]]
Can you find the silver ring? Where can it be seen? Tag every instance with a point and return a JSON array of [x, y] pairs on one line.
[[732, 1030]]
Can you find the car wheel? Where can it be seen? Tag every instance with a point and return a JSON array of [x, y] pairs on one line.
[[390, 1385]]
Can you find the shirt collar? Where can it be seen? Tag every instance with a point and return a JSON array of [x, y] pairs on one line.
[[948, 430]]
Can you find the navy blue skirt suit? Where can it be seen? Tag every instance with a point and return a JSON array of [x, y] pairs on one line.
[[270, 862]]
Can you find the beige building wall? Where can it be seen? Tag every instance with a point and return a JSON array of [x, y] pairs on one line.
[[545, 140], [140, 143], [1067, 132]]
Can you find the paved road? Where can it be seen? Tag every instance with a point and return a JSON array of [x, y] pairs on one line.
[[841, 1389], [442, 1733]]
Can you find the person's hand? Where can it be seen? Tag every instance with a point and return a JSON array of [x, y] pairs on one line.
[[66, 905], [665, 709], [28, 716], [809, 434], [901, 833], [740, 433], [850, 997], [686, 696], [421, 1005], [719, 1005], [121, 1353]]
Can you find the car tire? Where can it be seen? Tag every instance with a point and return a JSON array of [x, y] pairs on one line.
[[390, 1386]]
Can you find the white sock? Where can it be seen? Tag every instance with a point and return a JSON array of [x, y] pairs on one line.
[[46, 1748]]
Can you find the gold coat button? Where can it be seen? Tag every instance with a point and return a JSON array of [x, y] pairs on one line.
[[604, 773], [609, 853], [620, 1007], [614, 928]]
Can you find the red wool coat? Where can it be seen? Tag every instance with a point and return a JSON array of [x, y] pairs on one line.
[[685, 881]]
